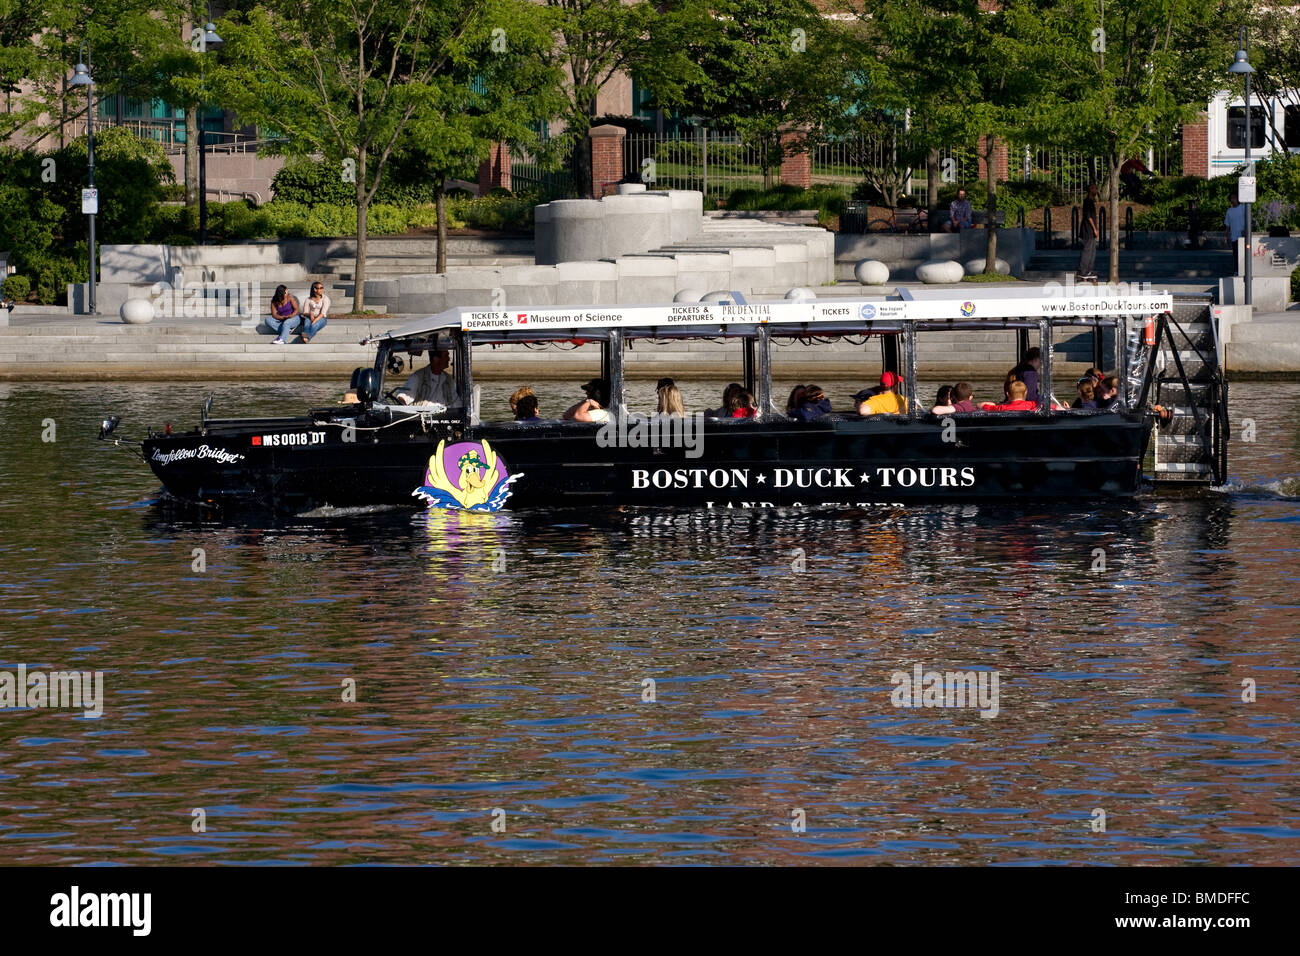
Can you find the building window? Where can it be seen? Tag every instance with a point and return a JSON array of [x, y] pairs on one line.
[[1291, 127], [1237, 127]]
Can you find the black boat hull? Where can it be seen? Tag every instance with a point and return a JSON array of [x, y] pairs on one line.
[[294, 465]]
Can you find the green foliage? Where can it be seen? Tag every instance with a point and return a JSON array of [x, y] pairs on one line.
[[55, 272], [16, 288], [309, 181], [30, 220], [1278, 186], [769, 68], [1011, 194], [282, 219], [827, 200], [493, 212], [130, 173], [1171, 198], [1295, 286]]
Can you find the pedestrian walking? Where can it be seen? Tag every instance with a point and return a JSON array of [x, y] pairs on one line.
[[1089, 233]]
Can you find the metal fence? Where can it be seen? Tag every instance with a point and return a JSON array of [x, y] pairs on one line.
[[878, 168], [527, 176], [715, 164]]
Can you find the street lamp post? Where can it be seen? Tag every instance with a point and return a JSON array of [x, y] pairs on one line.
[[81, 77], [210, 39], [1241, 64]]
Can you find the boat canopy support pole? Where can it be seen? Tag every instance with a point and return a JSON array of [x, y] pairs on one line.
[[612, 362], [763, 373], [464, 371], [1121, 360], [747, 375], [909, 379], [1097, 358], [1045, 368], [889, 354], [1022, 345]]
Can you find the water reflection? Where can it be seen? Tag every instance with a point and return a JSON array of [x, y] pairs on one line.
[[500, 660]]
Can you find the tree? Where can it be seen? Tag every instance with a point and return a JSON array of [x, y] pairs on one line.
[[1121, 73], [1275, 54], [596, 39], [951, 61], [501, 92], [346, 78], [771, 69], [23, 60]]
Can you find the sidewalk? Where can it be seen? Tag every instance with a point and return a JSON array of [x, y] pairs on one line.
[[41, 346]]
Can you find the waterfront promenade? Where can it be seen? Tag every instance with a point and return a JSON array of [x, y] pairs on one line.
[[44, 345]]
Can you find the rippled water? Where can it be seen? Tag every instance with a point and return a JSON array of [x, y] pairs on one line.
[[500, 662]]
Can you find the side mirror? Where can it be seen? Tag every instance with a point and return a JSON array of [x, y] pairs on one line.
[[367, 385]]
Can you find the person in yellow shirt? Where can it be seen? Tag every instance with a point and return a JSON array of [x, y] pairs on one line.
[[888, 402]]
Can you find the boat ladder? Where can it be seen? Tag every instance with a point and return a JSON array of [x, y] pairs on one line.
[[1185, 372]]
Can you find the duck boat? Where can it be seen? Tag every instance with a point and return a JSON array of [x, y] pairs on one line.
[[379, 451]]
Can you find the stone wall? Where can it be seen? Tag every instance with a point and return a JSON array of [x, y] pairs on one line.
[[903, 253]]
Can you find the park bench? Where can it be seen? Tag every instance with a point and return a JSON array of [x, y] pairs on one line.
[[980, 217]]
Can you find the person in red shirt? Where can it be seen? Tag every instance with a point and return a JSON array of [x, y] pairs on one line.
[[1015, 392]]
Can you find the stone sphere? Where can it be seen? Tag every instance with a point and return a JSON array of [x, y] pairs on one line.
[[939, 272], [976, 266], [137, 311], [801, 294], [717, 297], [688, 295], [871, 272]]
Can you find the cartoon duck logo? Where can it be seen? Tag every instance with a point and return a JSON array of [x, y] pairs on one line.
[[482, 480], [968, 309]]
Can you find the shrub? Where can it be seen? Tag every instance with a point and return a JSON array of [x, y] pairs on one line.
[[131, 174], [491, 212], [825, 199], [54, 272], [1295, 286], [16, 288], [311, 181]]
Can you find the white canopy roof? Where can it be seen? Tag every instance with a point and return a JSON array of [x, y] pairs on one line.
[[921, 304]]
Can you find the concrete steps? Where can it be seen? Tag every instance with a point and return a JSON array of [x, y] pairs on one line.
[[378, 267], [1057, 264]]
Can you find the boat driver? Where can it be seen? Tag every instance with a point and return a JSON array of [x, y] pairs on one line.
[[433, 383]]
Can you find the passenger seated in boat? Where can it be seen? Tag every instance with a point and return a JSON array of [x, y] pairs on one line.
[[516, 395], [1027, 372], [1107, 394], [961, 398], [592, 408], [813, 404], [526, 409], [745, 407], [943, 401], [728, 402], [1085, 390], [795, 400], [1016, 401], [888, 402], [670, 399], [433, 383]]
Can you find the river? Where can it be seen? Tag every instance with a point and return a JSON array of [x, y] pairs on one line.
[[641, 685]]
